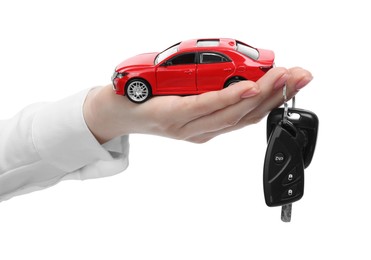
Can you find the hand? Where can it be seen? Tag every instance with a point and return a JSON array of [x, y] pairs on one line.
[[196, 118]]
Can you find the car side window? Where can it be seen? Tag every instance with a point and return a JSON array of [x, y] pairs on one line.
[[186, 58], [212, 57]]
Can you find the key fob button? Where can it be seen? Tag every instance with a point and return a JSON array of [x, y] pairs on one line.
[[291, 192], [291, 177], [279, 158]]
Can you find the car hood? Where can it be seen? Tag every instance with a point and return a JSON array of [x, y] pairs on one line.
[[266, 56], [145, 59]]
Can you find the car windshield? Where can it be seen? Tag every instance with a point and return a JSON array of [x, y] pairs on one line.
[[166, 53], [247, 51]]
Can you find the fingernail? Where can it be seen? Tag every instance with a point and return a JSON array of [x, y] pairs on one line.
[[281, 81], [302, 83], [251, 92]]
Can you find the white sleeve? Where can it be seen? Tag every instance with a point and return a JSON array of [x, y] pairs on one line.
[[49, 142]]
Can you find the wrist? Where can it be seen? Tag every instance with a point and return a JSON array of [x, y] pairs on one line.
[[98, 114]]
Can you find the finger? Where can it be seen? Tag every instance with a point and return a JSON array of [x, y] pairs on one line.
[[298, 79], [200, 105], [230, 116]]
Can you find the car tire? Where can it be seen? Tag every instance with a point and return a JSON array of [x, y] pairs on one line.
[[138, 90], [232, 81]]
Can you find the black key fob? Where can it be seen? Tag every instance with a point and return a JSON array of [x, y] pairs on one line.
[[283, 175]]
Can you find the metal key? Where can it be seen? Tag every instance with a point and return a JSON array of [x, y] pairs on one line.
[[286, 212]]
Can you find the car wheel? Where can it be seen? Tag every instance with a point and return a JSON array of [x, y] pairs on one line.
[[232, 81], [138, 90]]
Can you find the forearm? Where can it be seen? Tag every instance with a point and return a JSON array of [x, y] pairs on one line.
[[49, 142]]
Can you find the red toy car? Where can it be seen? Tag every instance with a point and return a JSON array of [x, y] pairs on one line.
[[190, 67]]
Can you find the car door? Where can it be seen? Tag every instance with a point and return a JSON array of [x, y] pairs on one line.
[[177, 75], [213, 70]]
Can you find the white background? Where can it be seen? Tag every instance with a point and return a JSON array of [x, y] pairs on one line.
[[185, 201]]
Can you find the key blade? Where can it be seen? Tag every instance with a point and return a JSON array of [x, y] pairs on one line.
[[286, 212]]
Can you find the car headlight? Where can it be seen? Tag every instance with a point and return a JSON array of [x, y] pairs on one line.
[[121, 75], [118, 75]]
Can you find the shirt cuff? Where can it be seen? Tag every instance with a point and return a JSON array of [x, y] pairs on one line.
[[62, 138]]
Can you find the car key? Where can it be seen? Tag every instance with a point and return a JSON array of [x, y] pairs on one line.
[[283, 166], [292, 135]]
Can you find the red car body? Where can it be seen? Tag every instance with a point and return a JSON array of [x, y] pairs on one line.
[[190, 67]]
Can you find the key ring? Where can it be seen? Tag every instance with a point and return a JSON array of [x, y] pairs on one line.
[[286, 107]]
